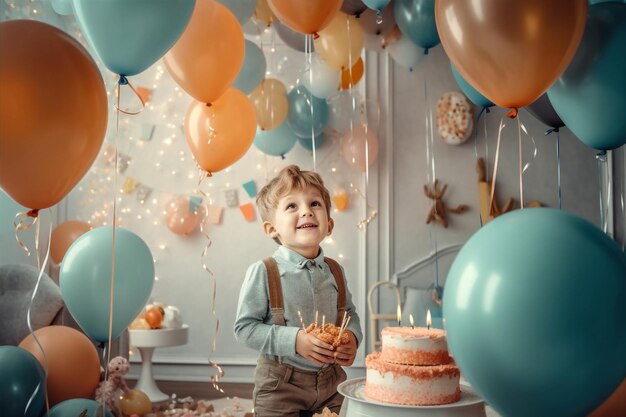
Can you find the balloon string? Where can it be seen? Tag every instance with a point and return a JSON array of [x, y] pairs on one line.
[[23, 221], [558, 161], [373, 213], [308, 55], [483, 110], [203, 229], [519, 156], [495, 163], [522, 128], [124, 81], [40, 385], [604, 186]]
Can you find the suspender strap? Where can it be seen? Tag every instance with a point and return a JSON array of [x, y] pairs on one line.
[[341, 289], [275, 290]]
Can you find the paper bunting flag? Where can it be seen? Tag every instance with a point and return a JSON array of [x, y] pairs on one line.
[[250, 188], [232, 198], [123, 161], [143, 192], [214, 214], [144, 93], [194, 202], [147, 130], [108, 156], [129, 185], [248, 211]]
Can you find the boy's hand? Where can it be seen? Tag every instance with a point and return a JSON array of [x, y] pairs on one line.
[[313, 349], [346, 353]]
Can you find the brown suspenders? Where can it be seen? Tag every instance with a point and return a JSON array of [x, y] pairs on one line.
[[276, 293]]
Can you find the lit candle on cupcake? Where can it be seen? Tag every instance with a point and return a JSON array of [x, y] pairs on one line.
[[429, 321], [411, 321], [399, 315]]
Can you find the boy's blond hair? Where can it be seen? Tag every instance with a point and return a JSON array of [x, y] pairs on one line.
[[288, 179]]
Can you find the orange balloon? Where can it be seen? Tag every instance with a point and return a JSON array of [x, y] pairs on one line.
[[53, 112], [153, 317], [270, 101], [208, 56], [511, 51], [352, 76], [179, 219], [341, 42], [305, 16], [359, 147], [263, 13], [220, 134], [615, 405], [135, 402], [73, 364], [63, 236]]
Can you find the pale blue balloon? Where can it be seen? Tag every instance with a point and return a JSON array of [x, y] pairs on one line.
[[62, 7], [307, 143], [85, 280], [242, 9], [75, 406], [535, 313], [21, 377], [129, 36], [253, 69], [590, 96], [376, 4], [302, 120], [416, 20], [471, 93], [277, 141]]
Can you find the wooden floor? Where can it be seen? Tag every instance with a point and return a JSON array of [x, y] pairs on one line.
[[202, 390]]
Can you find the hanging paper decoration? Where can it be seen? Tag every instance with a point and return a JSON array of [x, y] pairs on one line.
[[108, 156], [144, 93], [250, 188], [123, 161], [232, 198], [147, 130], [194, 202], [129, 185], [214, 214], [248, 211], [143, 192]]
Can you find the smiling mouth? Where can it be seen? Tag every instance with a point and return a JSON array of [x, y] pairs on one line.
[[306, 226]]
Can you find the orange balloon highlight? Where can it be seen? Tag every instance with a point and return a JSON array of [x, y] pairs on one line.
[[352, 76], [220, 134], [511, 51], [305, 16], [63, 236], [53, 112], [270, 101], [207, 58], [73, 363]]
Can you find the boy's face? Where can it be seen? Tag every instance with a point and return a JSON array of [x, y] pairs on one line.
[[300, 222]]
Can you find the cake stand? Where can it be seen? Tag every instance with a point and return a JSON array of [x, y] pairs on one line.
[[146, 341], [356, 404]]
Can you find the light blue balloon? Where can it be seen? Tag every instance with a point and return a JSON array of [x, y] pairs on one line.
[[21, 376], [129, 36], [307, 143], [277, 141], [416, 20], [85, 280], [73, 408], [301, 119], [253, 69], [376, 4], [242, 9], [62, 7], [535, 313], [590, 96], [471, 93]]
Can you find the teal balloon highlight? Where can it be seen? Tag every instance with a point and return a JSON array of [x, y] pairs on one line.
[[302, 120], [85, 280], [129, 36], [21, 376], [535, 313], [307, 143], [590, 96], [277, 141], [253, 69], [242, 9], [416, 20], [62, 7], [73, 408], [471, 93]]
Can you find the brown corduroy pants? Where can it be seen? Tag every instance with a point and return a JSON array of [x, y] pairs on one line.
[[282, 390]]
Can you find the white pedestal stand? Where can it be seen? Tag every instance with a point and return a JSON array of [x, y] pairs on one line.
[[146, 341]]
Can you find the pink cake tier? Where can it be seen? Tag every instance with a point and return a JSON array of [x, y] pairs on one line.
[[411, 385], [414, 346]]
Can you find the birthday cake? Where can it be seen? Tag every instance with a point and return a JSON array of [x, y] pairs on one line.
[[412, 368]]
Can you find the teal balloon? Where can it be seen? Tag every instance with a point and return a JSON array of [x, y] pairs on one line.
[[74, 407], [307, 143], [535, 313], [376, 4], [242, 9], [85, 280], [21, 376], [471, 93], [129, 36], [277, 141], [253, 69], [62, 7], [416, 20], [590, 96], [302, 120]]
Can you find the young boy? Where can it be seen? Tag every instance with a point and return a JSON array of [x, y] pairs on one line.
[[296, 374]]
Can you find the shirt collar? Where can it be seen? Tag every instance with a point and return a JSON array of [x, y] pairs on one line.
[[296, 259]]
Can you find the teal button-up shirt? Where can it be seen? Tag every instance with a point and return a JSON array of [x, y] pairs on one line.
[[308, 286]]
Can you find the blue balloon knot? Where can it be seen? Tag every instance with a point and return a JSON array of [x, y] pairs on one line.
[[123, 80]]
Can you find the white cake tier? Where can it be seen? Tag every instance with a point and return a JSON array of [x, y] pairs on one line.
[[414, 346]]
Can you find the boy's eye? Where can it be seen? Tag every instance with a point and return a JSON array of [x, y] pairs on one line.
[[316, 204], [291, 206]]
